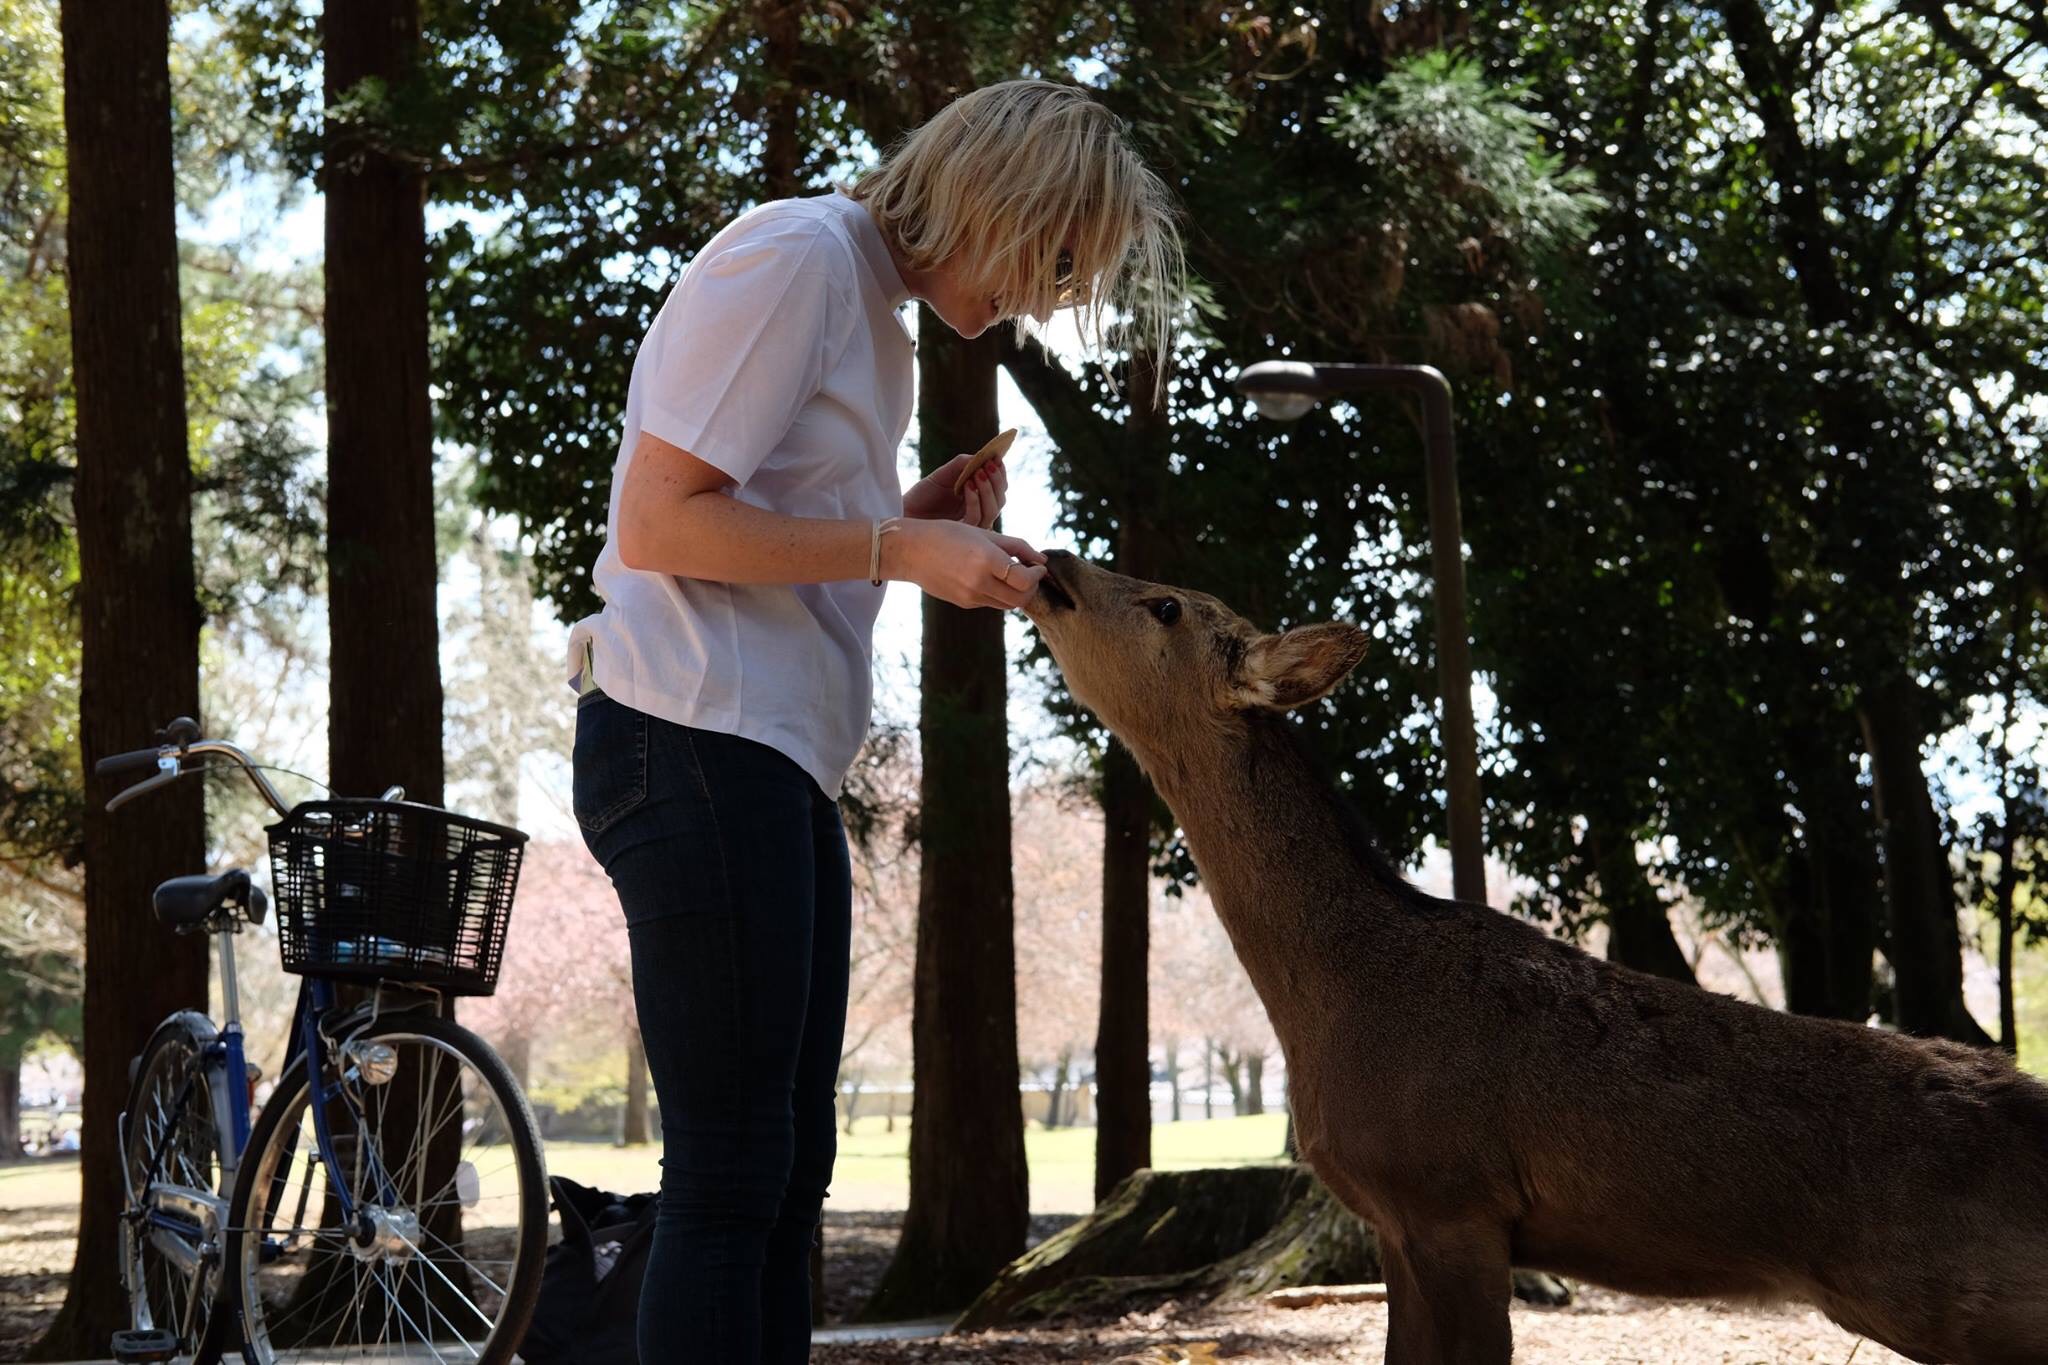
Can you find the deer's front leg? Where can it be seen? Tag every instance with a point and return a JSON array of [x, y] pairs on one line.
[[1447, 1296]]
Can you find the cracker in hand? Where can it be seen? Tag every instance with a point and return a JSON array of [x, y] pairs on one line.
[[992, 450]]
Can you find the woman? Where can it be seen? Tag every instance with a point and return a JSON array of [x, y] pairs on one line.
[[725, 686]]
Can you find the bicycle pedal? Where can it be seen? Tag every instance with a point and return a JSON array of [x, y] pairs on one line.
[[146, 1343]]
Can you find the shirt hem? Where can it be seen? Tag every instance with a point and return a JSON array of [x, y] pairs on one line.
[[725, 720]]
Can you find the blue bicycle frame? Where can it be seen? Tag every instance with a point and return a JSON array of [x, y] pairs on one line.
[[316, 999], [224, 1060], [187, 1224]]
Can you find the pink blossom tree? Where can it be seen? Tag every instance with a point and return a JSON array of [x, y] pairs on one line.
[[1201, 994], [566, 974], [1056, 854]]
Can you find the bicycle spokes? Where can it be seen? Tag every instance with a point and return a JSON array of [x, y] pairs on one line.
[[403, 1245], [174, 1216]]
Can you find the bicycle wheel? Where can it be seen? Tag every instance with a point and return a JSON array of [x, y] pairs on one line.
[[170, 1154], [439, 1158]]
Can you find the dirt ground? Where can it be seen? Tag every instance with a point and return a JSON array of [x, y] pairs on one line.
[[1601, 1329], [36, 1244]]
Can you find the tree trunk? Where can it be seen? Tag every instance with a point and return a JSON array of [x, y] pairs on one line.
[[633, 1131], [1135, 464], [1926, 946], [1254, 1081], [1827, 926], [10, 1104], [139, 614], [1799, 925], [1059, 1090], [504, 604], [1223, 1235], [968, 1194], [1822, 909], [1173, 1078], [1208, 1078], [1157, 1225], [1123, 1069], [2008, 884], [1852, 889], [1123, 1043], [1638, 926], [384, 674], [2008, 826], [382, 569], [779, 23], [1233, 1077], [850, 1089]]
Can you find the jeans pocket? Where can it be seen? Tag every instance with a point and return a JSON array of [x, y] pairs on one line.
[[609, 765]]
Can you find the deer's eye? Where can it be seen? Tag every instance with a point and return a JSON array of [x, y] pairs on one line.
[[1167, 609]]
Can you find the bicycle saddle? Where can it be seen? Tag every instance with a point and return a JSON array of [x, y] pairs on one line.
[[187, 902]]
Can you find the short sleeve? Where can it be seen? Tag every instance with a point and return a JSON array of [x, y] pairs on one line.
[[745, 341]]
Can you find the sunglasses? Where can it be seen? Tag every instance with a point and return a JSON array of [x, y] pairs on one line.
[[1063, 277]]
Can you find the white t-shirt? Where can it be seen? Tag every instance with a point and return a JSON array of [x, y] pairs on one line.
[[779, 358]]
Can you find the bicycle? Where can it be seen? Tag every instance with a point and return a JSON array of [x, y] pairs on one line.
[[355, 1215]]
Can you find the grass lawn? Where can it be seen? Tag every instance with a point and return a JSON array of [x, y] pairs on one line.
[[873, 1170], [40, 1183]]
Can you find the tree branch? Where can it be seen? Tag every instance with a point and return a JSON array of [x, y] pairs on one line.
[[1803, 233], [1070, 418], [1966, 47]]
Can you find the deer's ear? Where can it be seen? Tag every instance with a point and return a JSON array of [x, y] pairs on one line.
[[1284, 671]]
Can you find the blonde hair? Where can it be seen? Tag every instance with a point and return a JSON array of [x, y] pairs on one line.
[[1008, 177]]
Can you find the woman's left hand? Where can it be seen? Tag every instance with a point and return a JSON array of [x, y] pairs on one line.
[[932, 498]]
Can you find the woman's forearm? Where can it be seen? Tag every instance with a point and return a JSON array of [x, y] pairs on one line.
[[715, 536]]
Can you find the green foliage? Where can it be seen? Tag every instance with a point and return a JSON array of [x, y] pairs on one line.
[[1456, 156], [39, 815], [1739, 481], [1747, 338], [1339, 213], [257, 515], [39, 998], [585, 153], [570, 233]]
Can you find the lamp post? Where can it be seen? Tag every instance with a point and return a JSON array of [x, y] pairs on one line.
[[1285, 390]]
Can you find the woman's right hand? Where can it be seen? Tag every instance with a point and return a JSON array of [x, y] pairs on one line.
[[966, 565]]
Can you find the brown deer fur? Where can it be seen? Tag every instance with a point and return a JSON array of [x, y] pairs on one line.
[[1483, 1094]]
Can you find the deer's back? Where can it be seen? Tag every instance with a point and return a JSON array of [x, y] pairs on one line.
[[1649, 1134]]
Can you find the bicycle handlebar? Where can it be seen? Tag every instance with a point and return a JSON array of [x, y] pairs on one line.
[[180, 741], [164, 777], [114, 764], [177, 734]]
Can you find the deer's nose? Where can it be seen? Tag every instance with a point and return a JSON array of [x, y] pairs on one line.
[[1057, 585]]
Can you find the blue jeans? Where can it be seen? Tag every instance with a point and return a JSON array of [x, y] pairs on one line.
[[730, 863]]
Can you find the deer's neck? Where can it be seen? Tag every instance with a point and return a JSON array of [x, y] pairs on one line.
[[1291, 871]]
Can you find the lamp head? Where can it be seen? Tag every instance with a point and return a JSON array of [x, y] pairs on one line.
[[1281, 390]]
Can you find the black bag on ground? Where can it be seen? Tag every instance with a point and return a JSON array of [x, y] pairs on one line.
[[589, 1303]]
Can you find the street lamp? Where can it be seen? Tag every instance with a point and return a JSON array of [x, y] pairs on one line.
[[1284, 390]]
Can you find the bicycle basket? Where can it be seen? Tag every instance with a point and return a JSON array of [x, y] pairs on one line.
[[394, 891]]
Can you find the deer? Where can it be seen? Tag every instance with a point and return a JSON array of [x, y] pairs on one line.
[[1484, 1095]]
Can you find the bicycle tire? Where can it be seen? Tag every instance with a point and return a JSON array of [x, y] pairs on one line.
[[273, 1196], [157, 1080]]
